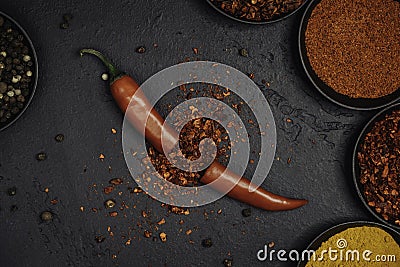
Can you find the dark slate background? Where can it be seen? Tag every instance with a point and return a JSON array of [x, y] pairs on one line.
[[73, 100]]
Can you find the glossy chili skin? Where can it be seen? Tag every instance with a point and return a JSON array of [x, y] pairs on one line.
[[132, 101], [124, 90]]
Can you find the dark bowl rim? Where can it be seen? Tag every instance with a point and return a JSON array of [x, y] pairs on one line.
[[355, 174], [36, 74], [303, 57], [344, 226], [258, 22]]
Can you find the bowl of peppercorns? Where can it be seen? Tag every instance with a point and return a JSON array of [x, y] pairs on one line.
[[18, 71], [376, 166]]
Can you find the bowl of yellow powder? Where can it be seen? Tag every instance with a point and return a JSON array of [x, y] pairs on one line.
[[354, 244]]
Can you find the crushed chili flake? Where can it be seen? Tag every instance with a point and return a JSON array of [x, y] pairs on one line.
[[113, 214], [108, 189], [163, 237], [101, 156], [116, 181]]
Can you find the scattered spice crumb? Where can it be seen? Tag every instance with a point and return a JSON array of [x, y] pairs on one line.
[[116, 181], [188, 232], [163, 237], [162, 221], [99, 239], [41, 156], [228, 262], [81, 208], [108, 189], [207, 243], [243, 52], [114, 214], [141, 49], [271, 244], [195, 50], [246, 212], [109, 203], [114, 131], [12, 191], [147, 234], [101, 156], [59, 138]]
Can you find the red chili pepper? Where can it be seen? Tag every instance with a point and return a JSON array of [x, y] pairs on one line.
[[124, 90]]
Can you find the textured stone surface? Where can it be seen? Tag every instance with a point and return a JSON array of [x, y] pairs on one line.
[[72, 99]]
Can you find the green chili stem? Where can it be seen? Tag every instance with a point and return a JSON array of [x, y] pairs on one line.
[[114, 72]]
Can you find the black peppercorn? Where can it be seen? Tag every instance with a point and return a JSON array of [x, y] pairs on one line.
[[59, 138], [207, 243], [46, 216], [227, 262], [141, 49], [246, 212]]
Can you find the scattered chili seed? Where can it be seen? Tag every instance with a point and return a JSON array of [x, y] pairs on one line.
[[59, 138], [141, 49], [271, 244], [54, 201], [101, 156], [46, 216], [162, 221], [104, 76], [251, 76], [114, 131], [246, 212], [109, 203], [12, 191], [207, 243], [195, 50], [41, 156]]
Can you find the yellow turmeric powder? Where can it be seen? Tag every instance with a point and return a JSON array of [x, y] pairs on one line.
[[358, 246]]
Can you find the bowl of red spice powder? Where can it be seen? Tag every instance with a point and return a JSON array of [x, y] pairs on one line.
[[376, 166], [257, 11], [350, 51]]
